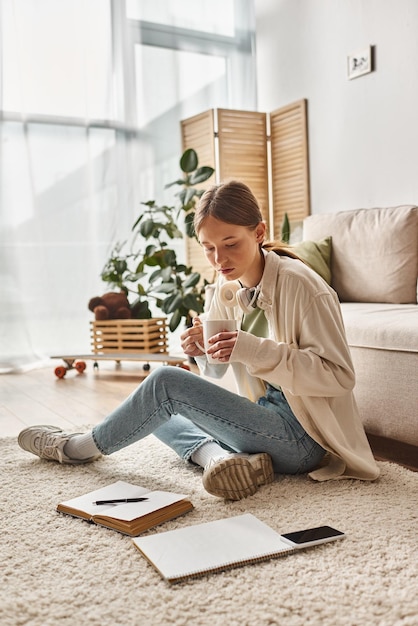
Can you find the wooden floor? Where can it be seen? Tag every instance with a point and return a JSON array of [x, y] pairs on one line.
[[74, 402]]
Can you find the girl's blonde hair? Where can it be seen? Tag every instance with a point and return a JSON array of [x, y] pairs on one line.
[[233, 202]]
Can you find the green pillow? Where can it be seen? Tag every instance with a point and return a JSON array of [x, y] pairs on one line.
[[317, 254]]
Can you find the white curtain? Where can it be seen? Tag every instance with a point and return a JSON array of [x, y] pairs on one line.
[[92, 93]]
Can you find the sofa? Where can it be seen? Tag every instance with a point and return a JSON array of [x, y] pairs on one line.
[[373, 261]]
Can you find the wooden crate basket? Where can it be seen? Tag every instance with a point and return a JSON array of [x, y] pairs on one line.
[[129, 336]]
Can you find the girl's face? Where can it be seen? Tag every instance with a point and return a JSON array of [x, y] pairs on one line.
[[234, 251]]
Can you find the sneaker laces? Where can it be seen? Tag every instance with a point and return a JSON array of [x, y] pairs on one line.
[[47, 445]]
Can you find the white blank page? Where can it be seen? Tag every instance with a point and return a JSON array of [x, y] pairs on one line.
[[197, 549]]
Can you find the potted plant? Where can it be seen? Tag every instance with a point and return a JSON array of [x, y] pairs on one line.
[[146, 266]]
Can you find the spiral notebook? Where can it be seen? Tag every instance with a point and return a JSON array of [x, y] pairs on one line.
[[211, 547]]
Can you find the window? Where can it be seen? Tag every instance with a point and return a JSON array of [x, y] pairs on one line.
[[183, 76], [212, 16], [56, 58], [92, 94]]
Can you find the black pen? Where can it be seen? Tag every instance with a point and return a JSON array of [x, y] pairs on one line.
[[123, 500]]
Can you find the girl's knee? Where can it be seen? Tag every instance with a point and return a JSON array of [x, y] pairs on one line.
[[168, 374]]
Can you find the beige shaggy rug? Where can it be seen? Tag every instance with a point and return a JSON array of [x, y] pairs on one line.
[[60, 570]]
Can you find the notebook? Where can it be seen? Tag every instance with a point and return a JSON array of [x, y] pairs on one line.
[[215, 546], [131, 518]]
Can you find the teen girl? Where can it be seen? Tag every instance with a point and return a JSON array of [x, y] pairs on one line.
[[294, 411]]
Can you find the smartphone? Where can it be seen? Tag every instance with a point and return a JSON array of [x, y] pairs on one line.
[[312, 536]]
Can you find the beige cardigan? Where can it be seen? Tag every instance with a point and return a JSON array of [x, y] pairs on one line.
[[307, 355]]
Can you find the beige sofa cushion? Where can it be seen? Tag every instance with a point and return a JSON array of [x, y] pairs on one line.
[[381, 326], [374, 252]]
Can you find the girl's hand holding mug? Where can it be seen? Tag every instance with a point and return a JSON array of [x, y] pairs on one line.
[[215, 338], [192, 339]]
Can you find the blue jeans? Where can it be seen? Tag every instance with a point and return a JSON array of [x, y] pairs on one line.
[[185, 411]]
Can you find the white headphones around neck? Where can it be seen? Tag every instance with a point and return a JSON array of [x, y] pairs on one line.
[[232, 294]]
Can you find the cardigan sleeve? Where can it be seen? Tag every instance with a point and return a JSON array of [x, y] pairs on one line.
[[311, 356]]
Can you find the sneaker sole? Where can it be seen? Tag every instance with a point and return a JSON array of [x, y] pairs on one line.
[[236, 478], [263, 468]]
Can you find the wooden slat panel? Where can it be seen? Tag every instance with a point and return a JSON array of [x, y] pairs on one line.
[[289, 164], [197, 132], [242, 137], [119, 336]]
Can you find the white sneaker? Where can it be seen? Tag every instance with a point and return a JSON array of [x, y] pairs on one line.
[[237, 476], [48, 443]]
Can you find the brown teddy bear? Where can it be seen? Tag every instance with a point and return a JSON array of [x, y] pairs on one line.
[[111, 306]]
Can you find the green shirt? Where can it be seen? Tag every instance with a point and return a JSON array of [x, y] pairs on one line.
[[256, 324]]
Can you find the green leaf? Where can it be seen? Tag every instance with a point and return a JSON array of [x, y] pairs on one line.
[[169, 256], [165, 288], [181, 195], [189, 195], [189, 225], [193, 303], [163, 258], [137, 221], [152, 261], [140, 310], [133, 277], [141, 289], [175, 321], [285, 234], [175, 303], [120, 266], [150, 250], [192, 280], [167, 302], [155, 275], [201, 174], [179, 181], [189, 161], [173, 231], [147, 228], [172, 302], [140, 267], [166, 274]]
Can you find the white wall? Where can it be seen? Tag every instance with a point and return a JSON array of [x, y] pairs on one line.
[[363, 133]]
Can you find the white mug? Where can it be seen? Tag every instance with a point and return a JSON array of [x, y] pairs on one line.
[[211, 328]]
